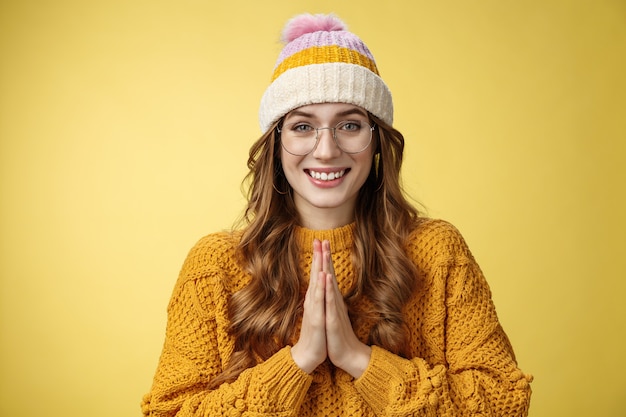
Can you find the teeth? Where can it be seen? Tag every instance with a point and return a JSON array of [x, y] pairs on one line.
[[324, 176]]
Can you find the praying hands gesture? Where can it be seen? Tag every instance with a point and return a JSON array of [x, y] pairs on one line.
[[326, 329]]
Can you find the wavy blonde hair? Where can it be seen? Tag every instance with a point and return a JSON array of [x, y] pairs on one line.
[[261, 314]]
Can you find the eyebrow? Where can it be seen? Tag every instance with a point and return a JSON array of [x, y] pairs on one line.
[[354, 110]]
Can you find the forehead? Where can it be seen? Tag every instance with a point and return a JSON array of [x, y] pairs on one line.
[[327, 110]]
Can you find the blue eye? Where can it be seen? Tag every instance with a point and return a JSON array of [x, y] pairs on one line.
[[301, 128], [349, 127]]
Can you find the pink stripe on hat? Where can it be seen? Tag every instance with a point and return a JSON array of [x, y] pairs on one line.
[[343, 39]]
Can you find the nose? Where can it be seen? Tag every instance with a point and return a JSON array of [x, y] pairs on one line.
[[326, 147]]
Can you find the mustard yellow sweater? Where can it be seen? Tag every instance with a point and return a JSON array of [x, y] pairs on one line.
[[464, 364]]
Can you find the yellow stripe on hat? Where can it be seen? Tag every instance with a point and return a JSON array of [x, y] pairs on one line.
[[324, 55]]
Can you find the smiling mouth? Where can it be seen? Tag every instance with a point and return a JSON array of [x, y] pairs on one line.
[[326, 176]]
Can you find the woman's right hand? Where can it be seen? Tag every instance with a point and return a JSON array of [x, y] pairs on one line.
[[310, 349]]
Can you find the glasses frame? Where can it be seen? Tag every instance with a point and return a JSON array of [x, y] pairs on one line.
[[334, 130]]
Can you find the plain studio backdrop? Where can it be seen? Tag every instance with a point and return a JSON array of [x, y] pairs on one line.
[[124, 131]]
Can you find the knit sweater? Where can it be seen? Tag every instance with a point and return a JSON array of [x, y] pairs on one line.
[[462, 364]]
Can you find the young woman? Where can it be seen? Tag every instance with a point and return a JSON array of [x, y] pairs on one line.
[[336, 298]]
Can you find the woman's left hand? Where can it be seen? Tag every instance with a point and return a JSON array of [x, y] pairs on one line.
[[345, 350]]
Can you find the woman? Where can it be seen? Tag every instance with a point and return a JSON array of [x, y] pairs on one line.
[[336, 298]]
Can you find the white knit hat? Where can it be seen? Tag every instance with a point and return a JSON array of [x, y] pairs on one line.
[[323, 63]]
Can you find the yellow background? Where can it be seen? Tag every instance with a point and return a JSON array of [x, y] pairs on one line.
[[124, 129]]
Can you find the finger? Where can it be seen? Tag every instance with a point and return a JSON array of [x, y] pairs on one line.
[[330, 293], [335, 305], [313, 319], [314, 306], [316, 265], [327, 258], [320, 291], [317, 257], [329, 267]]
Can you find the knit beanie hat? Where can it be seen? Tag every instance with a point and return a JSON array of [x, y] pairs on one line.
[[322, 62]]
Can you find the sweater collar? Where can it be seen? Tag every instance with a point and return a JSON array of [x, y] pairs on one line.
[[339, 238]]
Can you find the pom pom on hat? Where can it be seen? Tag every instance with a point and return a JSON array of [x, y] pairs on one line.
[[322, 62], [309, 23]]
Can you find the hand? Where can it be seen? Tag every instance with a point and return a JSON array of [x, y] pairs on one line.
[[344, 348], [326, 327], [310, 349]]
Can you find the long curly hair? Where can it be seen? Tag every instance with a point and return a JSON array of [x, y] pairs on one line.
[[261, 314]]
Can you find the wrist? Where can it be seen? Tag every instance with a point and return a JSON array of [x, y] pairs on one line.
[[359, 361], [302, 360]]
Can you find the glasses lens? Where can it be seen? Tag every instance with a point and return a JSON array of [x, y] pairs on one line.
[[298, 138], [353, 136]]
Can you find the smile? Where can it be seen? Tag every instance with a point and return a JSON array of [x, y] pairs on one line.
[[326, 176]]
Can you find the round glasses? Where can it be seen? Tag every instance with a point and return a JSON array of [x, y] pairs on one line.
[[351, 136]]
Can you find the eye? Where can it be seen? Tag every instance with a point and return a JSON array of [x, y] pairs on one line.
[[301, 128], [349, 126]]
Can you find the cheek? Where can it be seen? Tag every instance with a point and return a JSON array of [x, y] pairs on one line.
[[365, 165], [289, 163]]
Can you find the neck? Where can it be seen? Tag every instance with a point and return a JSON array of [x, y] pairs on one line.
[[325, 214], [325, 218]]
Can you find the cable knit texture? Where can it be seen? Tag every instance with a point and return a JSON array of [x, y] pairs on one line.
[[462, 363]]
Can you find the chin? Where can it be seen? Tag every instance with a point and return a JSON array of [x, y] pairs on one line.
[[330, 203]]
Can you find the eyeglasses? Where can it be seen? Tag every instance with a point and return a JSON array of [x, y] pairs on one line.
[[351, 136]]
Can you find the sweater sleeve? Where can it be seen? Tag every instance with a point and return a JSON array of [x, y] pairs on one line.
[[479, 376], [193, 353]]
